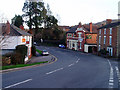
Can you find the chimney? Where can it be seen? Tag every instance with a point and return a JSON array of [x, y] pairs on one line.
[[7, 27], [80, 24], [91, 27], [108, 21]]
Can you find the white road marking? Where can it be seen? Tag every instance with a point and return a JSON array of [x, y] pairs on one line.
[[76, 61], [54, 71], [111, 80], [18, 83], [118, 74], [70, 65]]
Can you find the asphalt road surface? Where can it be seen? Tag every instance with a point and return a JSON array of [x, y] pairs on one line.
[[72, 69]]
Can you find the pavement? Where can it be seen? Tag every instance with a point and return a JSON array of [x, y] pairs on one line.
[[40, 58]]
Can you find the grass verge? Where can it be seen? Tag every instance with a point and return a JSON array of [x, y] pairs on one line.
[[21, 65], [39, 51]]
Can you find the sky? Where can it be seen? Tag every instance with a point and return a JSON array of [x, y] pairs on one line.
[[68, 12]]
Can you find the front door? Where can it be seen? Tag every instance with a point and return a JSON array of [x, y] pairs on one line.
[[110, 51]]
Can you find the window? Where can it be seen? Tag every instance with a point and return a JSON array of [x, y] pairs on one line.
[[110, 31], [110, 40], [105, 31], [100, 31], [69, 35], [79, 35], [80, 45], [99, 48], [99, 39], [104, 39]]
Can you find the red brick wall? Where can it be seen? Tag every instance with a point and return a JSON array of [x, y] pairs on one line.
[[114, 39]]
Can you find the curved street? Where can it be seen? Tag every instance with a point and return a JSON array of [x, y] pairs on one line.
[[72, 69]]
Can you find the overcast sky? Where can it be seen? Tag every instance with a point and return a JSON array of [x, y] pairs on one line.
[[69, 12]]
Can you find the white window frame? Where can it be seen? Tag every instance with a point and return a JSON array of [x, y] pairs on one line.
[[99, 48], [99, 39], [110, 31], [80, 45], [110, 40], [79, 34], [100, 31], [104, 39], [105, 31]]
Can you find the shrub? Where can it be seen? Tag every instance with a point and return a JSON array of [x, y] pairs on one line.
[[17, 58], [6, 61], [19, 55], [103, 51], [33, 50], [22, 49]]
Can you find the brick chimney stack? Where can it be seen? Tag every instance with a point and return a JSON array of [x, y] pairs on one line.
[[90, 27], [7, 27], [108, 21]]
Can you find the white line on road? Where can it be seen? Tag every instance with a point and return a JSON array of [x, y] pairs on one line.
[[111, 80], [118, 73], [19, 83], [54, 71], [70, 65], [76, 61]]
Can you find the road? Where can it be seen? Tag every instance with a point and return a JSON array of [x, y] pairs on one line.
[[72, 69]]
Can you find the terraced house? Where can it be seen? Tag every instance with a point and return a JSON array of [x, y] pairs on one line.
[[109, 38], [82, 38]]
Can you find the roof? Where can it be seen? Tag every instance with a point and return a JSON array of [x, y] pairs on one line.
[[110, 25], [73, 29], [14, 31], [17, 31], [87, 28]]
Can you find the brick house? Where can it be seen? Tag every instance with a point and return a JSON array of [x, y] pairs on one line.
[[81, 37], [109, 38], [14, 36]]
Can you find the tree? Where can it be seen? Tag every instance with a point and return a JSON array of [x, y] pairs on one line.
[[17, 20], [35, 14]]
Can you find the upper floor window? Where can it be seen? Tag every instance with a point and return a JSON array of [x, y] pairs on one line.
[[104, 39], [100, 31], [105, 31], [99, 39], [110, 40], [110, 31], [69, 35], [79, 35]]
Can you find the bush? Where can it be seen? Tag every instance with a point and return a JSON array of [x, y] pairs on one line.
[[19, 56], [103, 51], [33, 50], [22, 49], [6, 61]]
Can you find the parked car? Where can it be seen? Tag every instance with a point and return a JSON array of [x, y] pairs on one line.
[[35, 43], [61, 46], [44, 52]]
